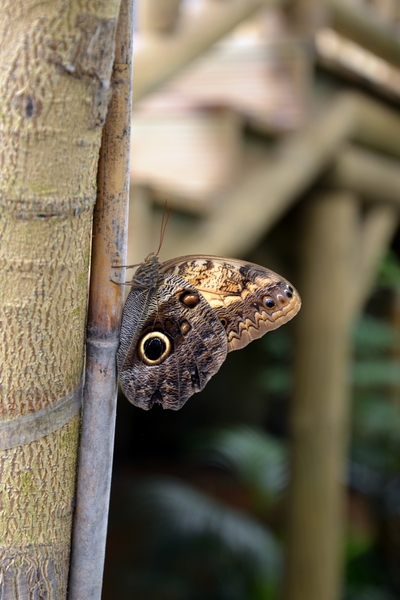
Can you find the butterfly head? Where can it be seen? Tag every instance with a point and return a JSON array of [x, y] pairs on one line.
[[148, 273], [150, 259]]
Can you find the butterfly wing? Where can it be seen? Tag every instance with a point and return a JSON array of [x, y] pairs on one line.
[[248, 299], [171, 344]]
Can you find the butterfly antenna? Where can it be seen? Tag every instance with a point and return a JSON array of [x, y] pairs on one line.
[[164, 223], [125, 266]]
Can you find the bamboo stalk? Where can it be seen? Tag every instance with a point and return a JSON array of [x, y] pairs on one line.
[[319, 413], [105, 306]]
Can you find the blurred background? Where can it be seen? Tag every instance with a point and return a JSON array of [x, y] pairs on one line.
[[274, 130]]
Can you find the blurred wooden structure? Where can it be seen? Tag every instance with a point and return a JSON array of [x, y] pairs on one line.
[[190, 148]]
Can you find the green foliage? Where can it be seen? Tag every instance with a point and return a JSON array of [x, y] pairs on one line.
[[376, 420], [259, 461], [372, 335], [389, 272], [276, 377], [192, 533], [376, 373], [368, 592], [185, 512]]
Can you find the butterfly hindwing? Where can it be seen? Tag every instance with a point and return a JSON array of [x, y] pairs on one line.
[[173, 346]]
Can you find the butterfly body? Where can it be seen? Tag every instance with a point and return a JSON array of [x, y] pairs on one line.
[[183, 316]]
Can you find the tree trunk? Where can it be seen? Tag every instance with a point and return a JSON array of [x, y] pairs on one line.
[[56, 60]]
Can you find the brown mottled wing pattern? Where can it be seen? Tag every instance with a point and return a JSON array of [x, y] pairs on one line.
[[198, 344], [248, 299]]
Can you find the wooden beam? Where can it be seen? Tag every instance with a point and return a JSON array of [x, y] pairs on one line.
[[362, 25], [375, 125], [379, 226], [157, 58], [267, 190], [308, 16], [373, 176]]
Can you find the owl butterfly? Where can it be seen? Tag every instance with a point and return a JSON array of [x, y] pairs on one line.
[[183, 316]]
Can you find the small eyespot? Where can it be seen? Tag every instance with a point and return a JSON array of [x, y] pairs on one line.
[[185, 327], [189, 299], [224, 322], [154, 347], [281, 299], [289, 291], [269, 303]]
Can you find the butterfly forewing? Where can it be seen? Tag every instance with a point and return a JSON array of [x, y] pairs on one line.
[[249, 300]]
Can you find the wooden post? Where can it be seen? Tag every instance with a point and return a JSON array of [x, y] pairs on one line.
[[339, 258], [319, 413]]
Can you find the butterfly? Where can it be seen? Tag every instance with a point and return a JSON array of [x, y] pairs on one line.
[[183, 316]]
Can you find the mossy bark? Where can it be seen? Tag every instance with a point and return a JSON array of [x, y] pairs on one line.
[[55, 62]]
